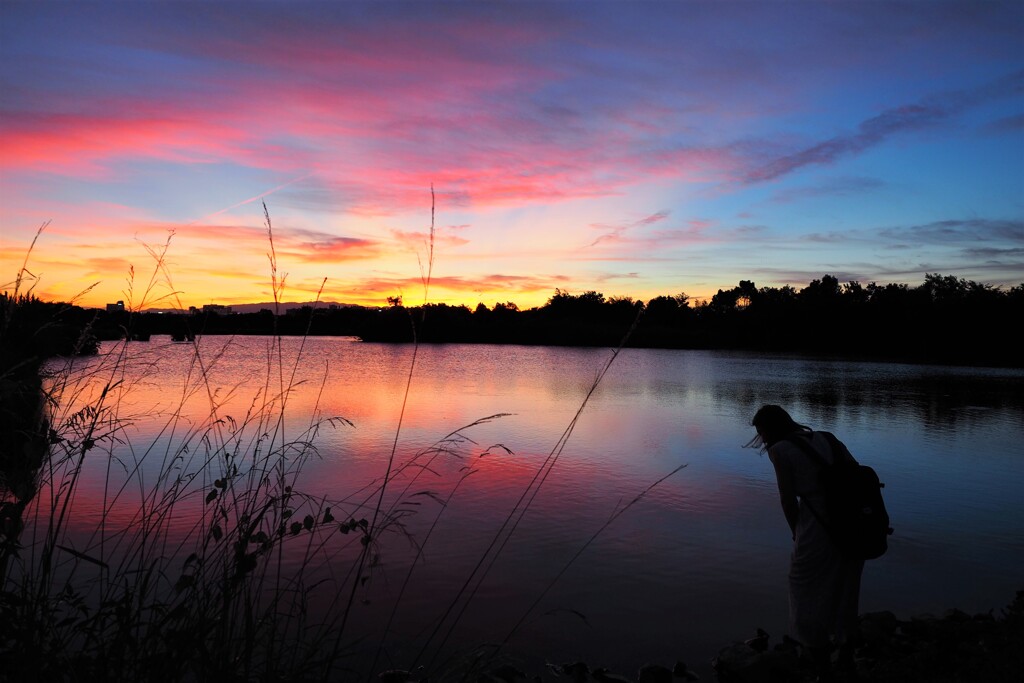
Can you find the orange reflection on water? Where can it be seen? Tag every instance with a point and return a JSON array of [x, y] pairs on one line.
[[177, 413]]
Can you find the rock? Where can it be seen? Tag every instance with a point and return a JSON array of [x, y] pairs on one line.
[[393, 676], [654, 673], [680, 670], [956, 615], [579, 672], [758, 642], [606, 676], [739, 663], [734, 662], [878, 626], [788, 645], [506, 673]]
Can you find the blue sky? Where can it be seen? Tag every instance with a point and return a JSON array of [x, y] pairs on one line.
[[634, 148]]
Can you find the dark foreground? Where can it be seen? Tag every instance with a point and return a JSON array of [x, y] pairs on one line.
[[954, 648]]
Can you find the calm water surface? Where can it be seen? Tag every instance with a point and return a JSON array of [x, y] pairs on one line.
[[698, 562]]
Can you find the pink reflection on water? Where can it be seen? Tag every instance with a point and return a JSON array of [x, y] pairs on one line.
[[184, 409], [711, 540]]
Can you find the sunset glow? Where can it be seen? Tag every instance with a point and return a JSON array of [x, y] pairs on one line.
[[637, 149]]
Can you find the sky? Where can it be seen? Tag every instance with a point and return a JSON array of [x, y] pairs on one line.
[[633, 148]]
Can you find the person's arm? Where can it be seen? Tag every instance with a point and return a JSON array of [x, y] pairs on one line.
[[787, 494]]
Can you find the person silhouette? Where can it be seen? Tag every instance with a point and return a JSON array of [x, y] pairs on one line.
[[824, 586]]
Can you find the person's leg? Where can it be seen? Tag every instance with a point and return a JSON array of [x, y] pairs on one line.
[[848, 635], [821, 662], [815, 582]]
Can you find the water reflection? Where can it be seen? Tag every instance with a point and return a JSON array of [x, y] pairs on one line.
[[938, 401], [699, 563]]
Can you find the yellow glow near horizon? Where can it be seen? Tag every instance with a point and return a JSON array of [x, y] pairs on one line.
[[565, 149]]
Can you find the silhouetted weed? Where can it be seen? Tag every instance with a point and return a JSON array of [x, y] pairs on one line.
[[198, 554]]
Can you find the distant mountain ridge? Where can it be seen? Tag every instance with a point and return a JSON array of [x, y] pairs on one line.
[[269, 305]]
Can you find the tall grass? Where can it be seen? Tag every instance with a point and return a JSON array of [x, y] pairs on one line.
[[199, 554]]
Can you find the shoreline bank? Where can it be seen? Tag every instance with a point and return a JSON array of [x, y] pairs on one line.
[[953, 648]]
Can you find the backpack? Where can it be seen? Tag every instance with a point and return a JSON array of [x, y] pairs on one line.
[[858, 521]]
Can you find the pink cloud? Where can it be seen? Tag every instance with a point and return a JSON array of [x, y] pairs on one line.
[[417, 240], [79, 145], [450, 102], [332, 250]]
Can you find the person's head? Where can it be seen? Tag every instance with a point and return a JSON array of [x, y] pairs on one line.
[[773, 423]]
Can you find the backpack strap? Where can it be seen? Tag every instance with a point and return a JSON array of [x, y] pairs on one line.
[[804, 443]]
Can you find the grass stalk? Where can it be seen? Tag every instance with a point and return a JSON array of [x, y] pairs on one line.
[[467, 592], [207, 553]]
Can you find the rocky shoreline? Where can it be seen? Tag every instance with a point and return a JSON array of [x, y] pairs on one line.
[[953, 648]]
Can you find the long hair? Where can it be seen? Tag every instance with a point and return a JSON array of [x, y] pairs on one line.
[[773, 424]]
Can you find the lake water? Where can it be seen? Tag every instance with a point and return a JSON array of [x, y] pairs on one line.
[[698, 562]]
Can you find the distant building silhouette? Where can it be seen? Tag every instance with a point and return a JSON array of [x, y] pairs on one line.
[[115, 308], [214, 308]]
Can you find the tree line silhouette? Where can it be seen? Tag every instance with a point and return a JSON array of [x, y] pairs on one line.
[[946, 320]]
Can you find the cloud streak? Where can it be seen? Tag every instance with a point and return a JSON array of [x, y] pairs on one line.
[[955, 231], [876, 130], [614, 233], [655, 146]]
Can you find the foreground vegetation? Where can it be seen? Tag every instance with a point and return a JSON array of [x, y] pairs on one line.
[[173, 568], [199, 553], [204, 557], [946, 320]]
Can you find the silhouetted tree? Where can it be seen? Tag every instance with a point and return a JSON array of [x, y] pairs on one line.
[[946, 319]]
